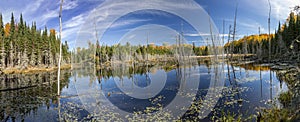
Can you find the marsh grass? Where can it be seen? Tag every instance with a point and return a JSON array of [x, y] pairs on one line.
[[33, 70]]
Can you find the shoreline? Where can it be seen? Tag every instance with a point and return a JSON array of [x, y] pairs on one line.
[[237, 59], [33, 70]]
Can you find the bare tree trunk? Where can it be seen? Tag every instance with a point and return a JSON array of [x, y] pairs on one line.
[[24, 63], [245, 47], [223, 38], [259, 50], [60, 46], [234, 25], [98, 58], [11, 55], [2, 54], [229, 48], [269, 22], [212, 40]]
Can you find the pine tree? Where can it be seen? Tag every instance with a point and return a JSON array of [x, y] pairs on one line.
[[12, 41], [2, 43], [291, 29], [297, 29], [24, 46]]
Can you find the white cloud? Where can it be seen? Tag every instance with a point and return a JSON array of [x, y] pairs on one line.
[[40, 11], [70, 4], [110, 11], [32, 8], [75, 21], [192, 34], [280, 8], [252, 26], [128, 22], [247, 26], [42, 20], [197, 34]]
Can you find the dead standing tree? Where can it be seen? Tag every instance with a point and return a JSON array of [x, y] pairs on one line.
[[234, 29], [269, 39], [212, 39], [60, 50]]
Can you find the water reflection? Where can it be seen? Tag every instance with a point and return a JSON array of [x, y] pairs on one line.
[[33, 97], [244, 92], [30, 96]]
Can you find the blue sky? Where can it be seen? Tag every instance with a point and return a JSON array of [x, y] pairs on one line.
[[79, 17]]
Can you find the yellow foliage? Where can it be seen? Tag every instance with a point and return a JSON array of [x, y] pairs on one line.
[[250, 39], [7, 29]]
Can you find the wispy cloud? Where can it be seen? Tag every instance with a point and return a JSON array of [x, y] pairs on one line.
[[249, 26], [197, 34], [208, 35], [280, 8], [73, 26], [75, 21], [40, 11], [110, 11], [70, 4], [33, 8], [252, 26], [128, 22]]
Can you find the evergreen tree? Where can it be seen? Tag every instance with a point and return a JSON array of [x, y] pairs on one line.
[[2, 61], [23, 46], [291, 29]]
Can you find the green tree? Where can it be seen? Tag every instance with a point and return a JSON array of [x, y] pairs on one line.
[[2, 61]]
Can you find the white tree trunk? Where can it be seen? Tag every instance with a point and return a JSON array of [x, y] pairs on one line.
[[60, 46]]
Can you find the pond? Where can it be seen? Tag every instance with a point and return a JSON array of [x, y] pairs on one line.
[[125, 92]]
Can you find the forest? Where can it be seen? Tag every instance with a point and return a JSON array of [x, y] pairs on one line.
[[128, 52], [24, 46], [285, 42]]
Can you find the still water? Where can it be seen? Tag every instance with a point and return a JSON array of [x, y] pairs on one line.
[[125, 93]]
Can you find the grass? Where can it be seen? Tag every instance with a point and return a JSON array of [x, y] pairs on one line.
[[33, 69], [285, 97], [276, 115]]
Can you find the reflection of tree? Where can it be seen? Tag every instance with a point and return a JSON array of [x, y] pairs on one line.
[[207, 64], [120, 70], [254, 67], [233, 83], [23, 102]]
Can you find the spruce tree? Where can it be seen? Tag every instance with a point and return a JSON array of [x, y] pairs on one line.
[[12, 41], [291, 29], [2, 61]]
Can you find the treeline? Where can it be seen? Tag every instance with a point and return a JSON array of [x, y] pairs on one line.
[[128, 52], [254, 44], [24, 46], [284, 43]]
